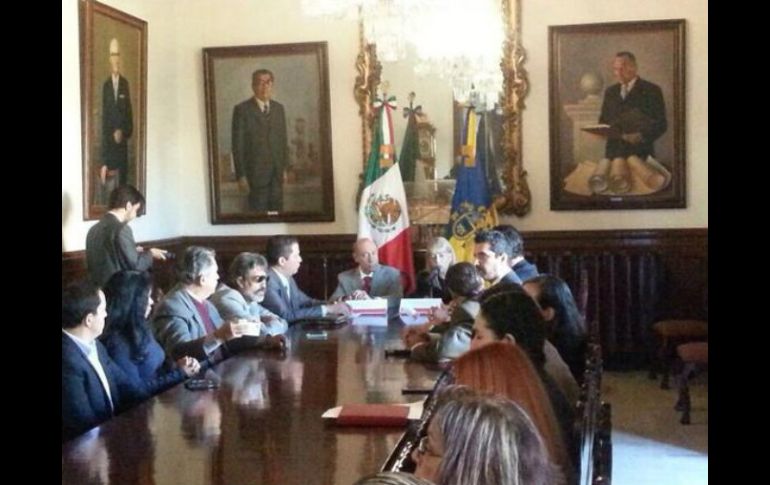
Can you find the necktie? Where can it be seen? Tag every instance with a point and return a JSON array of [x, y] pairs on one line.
[[265, 108], [624, 91], [367, 284]]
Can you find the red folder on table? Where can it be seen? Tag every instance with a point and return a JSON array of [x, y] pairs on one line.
[[373, 415]]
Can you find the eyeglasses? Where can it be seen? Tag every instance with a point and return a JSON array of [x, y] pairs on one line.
[[260, 278], [424, 450]]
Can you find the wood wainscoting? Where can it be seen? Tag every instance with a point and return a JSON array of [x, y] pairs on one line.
[[635, 277]]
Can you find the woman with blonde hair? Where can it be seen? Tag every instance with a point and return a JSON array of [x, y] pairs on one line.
[[505, 370], [431, 281]]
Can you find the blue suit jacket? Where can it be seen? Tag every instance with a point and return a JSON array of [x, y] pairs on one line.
[[84, 403], [525, 270], [297, 307]]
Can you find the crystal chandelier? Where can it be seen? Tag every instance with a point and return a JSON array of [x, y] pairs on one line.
[[459, 40]]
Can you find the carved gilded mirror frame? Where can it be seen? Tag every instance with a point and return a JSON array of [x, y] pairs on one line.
[[517, 198]]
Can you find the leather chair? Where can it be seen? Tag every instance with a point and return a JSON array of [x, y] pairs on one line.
[[692, 356]]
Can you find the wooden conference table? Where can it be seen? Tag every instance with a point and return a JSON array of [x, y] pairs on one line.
[[263, 424]]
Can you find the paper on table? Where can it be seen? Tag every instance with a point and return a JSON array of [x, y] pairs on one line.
[[415, 410], [370, 320], [375, 306], [247, 328], [418, 306]]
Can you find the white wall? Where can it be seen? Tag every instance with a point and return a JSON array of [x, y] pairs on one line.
[[177, 177]]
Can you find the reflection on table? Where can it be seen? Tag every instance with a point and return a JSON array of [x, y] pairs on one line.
[[263, 424]]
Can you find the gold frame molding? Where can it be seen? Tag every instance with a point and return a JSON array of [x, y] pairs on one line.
[[517, 198]]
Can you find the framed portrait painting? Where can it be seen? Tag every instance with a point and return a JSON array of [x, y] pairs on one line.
[[269, 138], [113, 80], [617, 115]]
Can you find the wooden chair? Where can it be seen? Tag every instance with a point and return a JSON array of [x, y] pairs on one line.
[[669, 334], [692, 357]]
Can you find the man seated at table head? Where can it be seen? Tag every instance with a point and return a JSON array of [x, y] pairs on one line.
[[369, 279], [523, 268], [283, 297], [93, 387], [491, 257], [247, 278], [185, 322]]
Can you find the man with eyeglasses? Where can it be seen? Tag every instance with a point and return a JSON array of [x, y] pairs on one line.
[[247, 278]]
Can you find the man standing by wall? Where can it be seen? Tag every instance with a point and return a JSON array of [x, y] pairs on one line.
[[117, 125], [260, 146]]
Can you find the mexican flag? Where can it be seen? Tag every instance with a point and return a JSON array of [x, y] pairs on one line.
[[382, 213]]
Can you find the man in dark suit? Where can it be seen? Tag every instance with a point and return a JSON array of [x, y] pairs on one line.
[[283, 297], [636, 108], [117, 124], [260, 146], [523, 268], [491, 253], [93, 387]]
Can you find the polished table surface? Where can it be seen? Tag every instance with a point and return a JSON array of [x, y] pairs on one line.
[[263, 424]]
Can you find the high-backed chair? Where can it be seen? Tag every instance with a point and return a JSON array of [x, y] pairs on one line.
[[692, 356]]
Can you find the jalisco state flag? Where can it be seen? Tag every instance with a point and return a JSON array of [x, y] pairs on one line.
[[382, 213], [472, 207]]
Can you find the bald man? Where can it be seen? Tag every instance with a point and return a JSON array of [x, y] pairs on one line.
[[370, 278], [117, 124]]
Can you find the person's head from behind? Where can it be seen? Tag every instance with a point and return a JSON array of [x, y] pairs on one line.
[[514, 238], [128, 301], [440, 255], [463, 280], [365, 255], [283, 254], [491, 254], [83, 309], [262, 84], [114, 56], [511, 315], [127, 198], [505, 370], [474, 438], [624, 67], [558, 306], [198, 271], [248, 275], [392, 478]]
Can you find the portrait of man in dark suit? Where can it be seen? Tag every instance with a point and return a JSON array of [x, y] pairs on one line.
[[260, 146], [117, 124]]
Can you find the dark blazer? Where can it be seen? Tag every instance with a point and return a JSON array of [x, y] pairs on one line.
[[147, 372], [259, 142], [84, 403], [431, 285], [525, 270], [116, 114], [110, 247], [298, 307], [644, 101]]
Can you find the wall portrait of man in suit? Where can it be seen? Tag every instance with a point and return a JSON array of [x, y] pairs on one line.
[[617, 115], [113, 79], [269, 133]]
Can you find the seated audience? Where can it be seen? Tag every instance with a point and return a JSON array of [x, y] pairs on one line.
[[248, 281], [506, 371], [369, 279], [447, 340], [431, 282], [129, 340], [283, 297], [565, 327], [93, 387], [491, 252], [476, 439], [513, 316], [523, 268], [110, 245], [185, 322]]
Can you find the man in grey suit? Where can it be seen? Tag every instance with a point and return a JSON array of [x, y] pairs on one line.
[[283, 297], [260, 146], [248, 281], [369, 279], [110, 245], [185, 322]]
